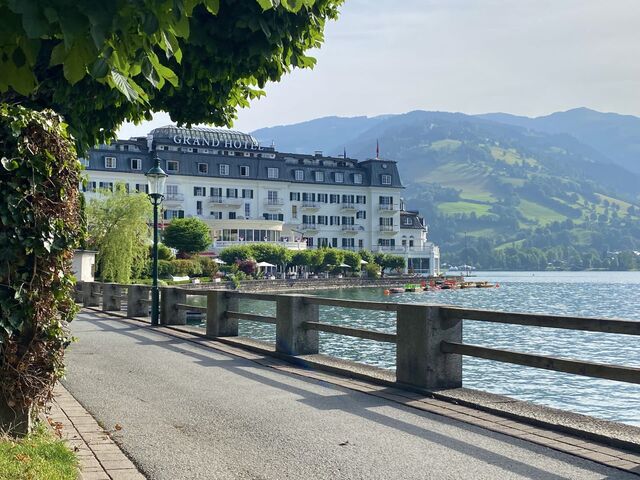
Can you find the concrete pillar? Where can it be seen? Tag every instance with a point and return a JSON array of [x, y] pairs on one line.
[[111, 301], [218, 325], [419, 360], [89, 297], [77, 294], [291, 336], [135, 306], [169, 313]]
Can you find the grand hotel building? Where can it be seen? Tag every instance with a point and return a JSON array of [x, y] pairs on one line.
[[250, 193]]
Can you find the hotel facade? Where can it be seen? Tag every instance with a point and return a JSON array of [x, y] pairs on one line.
[[247, 192]]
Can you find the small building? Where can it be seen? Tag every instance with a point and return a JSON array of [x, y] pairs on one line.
[[84, 265]]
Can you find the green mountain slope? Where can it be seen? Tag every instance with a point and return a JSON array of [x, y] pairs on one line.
[[500, 195]]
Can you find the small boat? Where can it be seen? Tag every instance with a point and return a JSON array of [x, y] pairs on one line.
[[396, 290]]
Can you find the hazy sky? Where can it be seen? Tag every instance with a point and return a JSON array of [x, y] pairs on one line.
[[527, 57]]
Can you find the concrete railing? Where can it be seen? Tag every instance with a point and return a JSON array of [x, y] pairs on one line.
[[428, 338]]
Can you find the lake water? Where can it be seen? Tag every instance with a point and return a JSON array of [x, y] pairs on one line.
[[598, 294]]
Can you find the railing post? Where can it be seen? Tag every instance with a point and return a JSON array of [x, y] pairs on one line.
[[218, 325], [111, 297], [419, 360], [135, 306], [78, 293], [292, 337], [169, 313], [89, 297]]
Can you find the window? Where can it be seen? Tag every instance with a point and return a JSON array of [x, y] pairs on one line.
[[348, 221], [334, 242], [89, 187], [163, 147], [386, 200], [215, 192], [294, 211], [334, 198], [106, 185], [348, 198], [348, 242], [136, 164], [199, 192], [247, 210], [247, 193], [334, 220], [308, 197], [232, 215], [362, 215], [199, 207], [272, 197], [273, 216], [232, 193], [223, 169], [171, 192], [338, 177], [273, 172], [109, 162], [169, 214], [387, 242], [323, 220], [142, 188], [385, 179], [357, 178], [319, 176], [299, 175], [294, 196], [361, 199], [323, 242], [244, 170], [216, 215], [172, 166], [323, 197], [407, 221], [203, 168], [360, 243]]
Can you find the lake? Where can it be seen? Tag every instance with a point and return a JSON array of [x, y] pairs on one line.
[[598, 294]]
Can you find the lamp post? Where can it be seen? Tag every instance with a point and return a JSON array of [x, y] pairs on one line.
[[156, 178]]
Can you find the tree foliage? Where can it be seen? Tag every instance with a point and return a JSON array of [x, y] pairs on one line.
[[187, 235], [41, 225], [99, 64], [118, 226]]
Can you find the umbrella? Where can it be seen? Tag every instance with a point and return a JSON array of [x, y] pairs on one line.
[[265, 264], [344, 265], [219, 262], [363, 262]]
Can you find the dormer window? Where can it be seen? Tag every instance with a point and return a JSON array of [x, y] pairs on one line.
[[109, 162]]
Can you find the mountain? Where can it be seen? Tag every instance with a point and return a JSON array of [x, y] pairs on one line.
[[502, 187], [616, 136]]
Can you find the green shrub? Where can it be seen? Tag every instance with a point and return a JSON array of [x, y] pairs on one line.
[[208, 267], [165, 268], [186, 267], [373, 270]]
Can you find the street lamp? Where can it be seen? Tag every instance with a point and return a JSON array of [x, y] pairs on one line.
[[156, 178]]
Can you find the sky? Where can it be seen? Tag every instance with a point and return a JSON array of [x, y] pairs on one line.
[[525, 57]]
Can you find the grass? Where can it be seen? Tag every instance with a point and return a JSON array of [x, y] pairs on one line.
[[539, 213], [451, 208], [40, 456]]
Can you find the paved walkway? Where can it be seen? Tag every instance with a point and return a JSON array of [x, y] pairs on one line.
[[99, 457], [189, 411]]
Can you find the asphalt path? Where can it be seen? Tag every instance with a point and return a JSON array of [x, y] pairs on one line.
[[187, 411]]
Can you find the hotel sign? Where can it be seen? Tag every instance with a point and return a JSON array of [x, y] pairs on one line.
[[214, 142]]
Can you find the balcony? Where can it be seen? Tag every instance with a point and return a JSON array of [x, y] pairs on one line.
[[310, 206], [308, 227], [353, 229], [221, 244], [273, 203], [348, 207], [388, 208], [231, 202], [388, 229], [173, 198], [416, 250]]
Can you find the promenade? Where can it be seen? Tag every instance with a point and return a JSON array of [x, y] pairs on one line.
[[190, 408]]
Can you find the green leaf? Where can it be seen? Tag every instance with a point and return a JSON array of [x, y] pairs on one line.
[[213, 6], [10, 164], [122, 84], [100, 68], [265, 4], [58, 54], [74, 68]]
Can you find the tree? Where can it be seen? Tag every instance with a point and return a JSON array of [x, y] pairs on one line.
[[387, 261], [353, 260], [187, 235], [118, 226], [229, 255], [199, 60], [333, 257], [97, 65], [267, 252]]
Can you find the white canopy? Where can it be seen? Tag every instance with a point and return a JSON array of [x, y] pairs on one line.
[[219, 262], [265, 264], [363, 262], [344, 265]]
